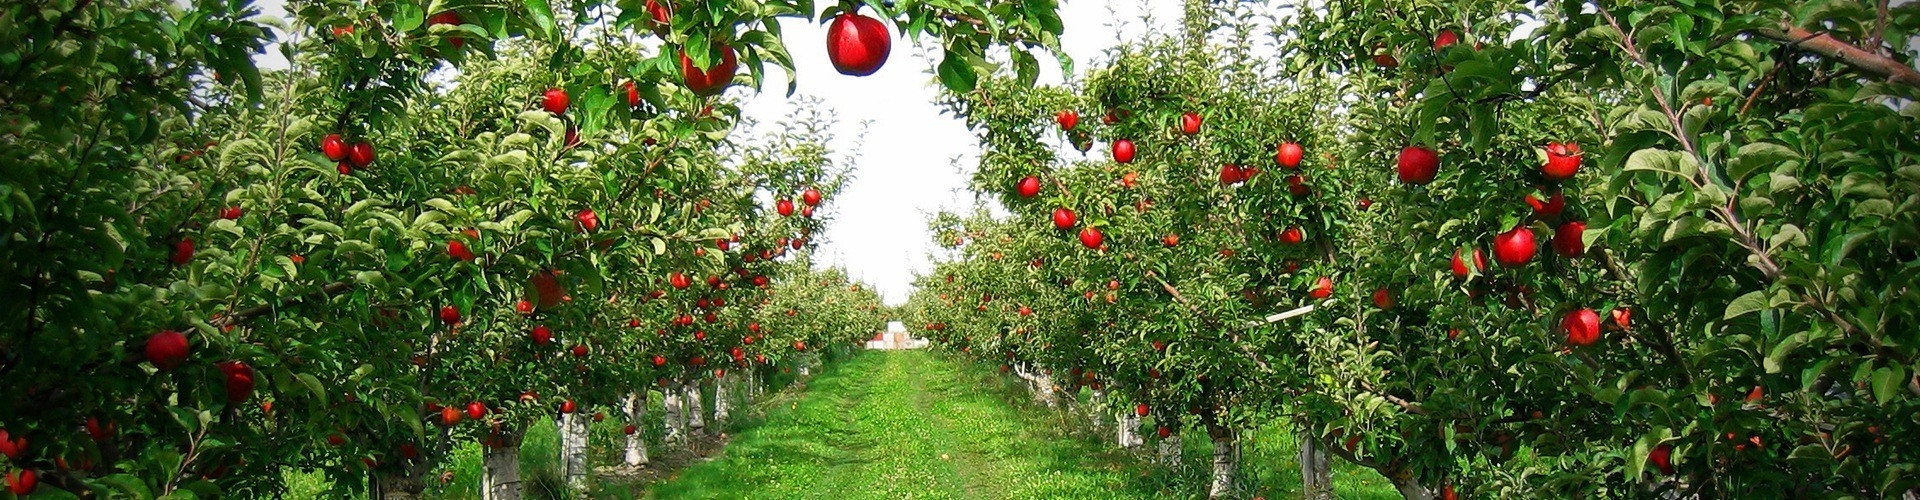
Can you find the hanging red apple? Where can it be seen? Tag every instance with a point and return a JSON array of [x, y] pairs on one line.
[[857, 45]]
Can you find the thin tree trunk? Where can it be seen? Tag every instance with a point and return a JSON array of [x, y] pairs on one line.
[[676, 417], [1129, 430], [636, 410], [722, 402], [1226, 462], [696, 409], [1410, 487], [1316, 473], [500, 469], [1170, 452], [573, 449], [399, 486]]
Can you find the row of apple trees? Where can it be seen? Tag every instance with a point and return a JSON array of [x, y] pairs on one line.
[[1550, 248], [441, 222]]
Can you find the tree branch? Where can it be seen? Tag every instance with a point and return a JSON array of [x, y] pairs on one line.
[[251, 312], [1886, 68]]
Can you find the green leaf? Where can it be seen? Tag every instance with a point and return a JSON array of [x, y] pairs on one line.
[[956, 74], [542, 16], [1752, 301], [1760, 155], [1886, 382], [1659, 160], [1780, 351]]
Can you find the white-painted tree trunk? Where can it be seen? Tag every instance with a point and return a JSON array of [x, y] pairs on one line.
[[1130, 430], [1226, 464], [722, 402], [806, 367], [398, 486], [1095, 418], [635, 407], [1316, 472], [676, 418], [1170, 452], [573, 449], [500, 471], [696, 409], [1413, 490]]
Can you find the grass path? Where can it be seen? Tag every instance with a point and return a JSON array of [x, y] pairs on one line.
[[906, 425]]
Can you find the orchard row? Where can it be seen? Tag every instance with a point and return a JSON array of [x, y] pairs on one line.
[[1567, 249], [442, 223]]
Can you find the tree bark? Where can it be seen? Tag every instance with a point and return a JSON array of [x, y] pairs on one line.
[[500, 469], [1410, 487], [696, 409], [1877, 65], [399, 486], [635, 407], [1129, 430], [573, 450], [1316, 473], [1226, 462], [722, 401], [676, 417], [1170, 452]]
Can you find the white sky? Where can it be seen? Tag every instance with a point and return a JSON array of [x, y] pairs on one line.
[[911, 161]]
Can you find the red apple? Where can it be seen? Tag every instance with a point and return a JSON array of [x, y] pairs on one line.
[[1563, 161], [567, 406], [1026, 311], [182, 251], [1549, 208], [1123, 151], [334, 147], [1164, 432], [1662, 458], [361, 155], [712, 80], [631, 429], [524, 307], [1567, 239], [1141, 409], [1622, 317], [13, 448], [450, 314], [1297, 185], [542, 335], [239, 380], [1515, 247], [1382, 298], [458, 250], [1444, 39], [679, 280], [1028, 187], [1190, 123], [167, 349], [1418, 165], [22, 483], [633, 94], [1063, 219], [857, 45], [1322, 288], [1231, 174], [1067, 119], [659, 360], [587, 220], [811, 197], [1292, 236], [1289, 154], [1582, 327], [231, 213], [784, 207], [659, 17], [554, 101], [1091, 237], [1460, 269]]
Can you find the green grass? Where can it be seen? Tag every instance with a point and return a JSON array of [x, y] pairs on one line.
[[908, 425], [904, 425]]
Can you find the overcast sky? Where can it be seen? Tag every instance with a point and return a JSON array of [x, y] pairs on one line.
[[909, 161], [913, 160]]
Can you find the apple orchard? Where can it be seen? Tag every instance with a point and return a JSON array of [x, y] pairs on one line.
[[1486, 249]]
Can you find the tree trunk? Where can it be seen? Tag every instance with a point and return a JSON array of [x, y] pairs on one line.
[[1226, 462], [1316, 474], [696, 409], [399, 486], [1170, 452], [1130, 436], [676, 417], [722, 402], [1409, 486], [500, 469], [636, 410], [573, 450]]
